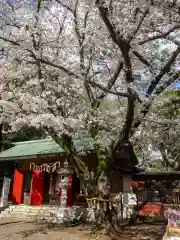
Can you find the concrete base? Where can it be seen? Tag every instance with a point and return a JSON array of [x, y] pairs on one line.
[[64, 215], [69, 214]]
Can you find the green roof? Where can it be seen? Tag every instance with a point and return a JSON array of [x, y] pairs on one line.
[[43, 147]]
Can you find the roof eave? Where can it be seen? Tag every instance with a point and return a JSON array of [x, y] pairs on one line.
[[31, 156], [60, 154]]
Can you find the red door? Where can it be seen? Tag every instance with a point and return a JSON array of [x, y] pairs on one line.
[[17, 187], [37, 189]]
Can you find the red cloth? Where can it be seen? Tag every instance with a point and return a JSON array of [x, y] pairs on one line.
[[138, 184], [17, 191], [37, 190], [156, 209]]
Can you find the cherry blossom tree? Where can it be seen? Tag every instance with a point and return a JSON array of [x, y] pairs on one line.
[[62, 60]]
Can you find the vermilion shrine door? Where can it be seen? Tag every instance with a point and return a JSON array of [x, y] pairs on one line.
[[17, 187], [37, 189]]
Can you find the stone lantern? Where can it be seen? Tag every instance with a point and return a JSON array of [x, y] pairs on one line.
[[64, 212]]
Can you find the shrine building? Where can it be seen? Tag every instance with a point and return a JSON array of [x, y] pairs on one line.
[[34, 168]]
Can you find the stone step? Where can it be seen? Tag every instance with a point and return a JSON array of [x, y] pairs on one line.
[[29, 209], [18, 216], [40, 213], [32, 206], [28, 214], [33, 211], [49, 220]]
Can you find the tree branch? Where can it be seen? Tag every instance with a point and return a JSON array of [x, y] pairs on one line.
[[165, 158], [166, 84], [10, 41], [139, 25], [105, 89], [113, 78], [124, 134], [47, 62], [164, 70], [120, 42], [138, 120], [67, 144], [145, 62], [107, 22], [159, 36]]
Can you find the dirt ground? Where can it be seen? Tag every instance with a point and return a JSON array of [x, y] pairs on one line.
[[29, 231]]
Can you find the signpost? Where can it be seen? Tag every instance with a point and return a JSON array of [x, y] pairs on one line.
[[5, 192]]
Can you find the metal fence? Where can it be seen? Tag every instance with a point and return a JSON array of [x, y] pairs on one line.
[[167, 196]]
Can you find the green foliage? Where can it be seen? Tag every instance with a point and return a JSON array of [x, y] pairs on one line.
[[169, 133], [25, 134]]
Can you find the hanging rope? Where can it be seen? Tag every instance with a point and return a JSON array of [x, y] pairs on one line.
[[45, 167]]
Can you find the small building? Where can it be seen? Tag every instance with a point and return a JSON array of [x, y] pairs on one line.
[[34, 183], [157, 186]]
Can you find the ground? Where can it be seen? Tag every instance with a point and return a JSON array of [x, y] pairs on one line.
[[29, 231]]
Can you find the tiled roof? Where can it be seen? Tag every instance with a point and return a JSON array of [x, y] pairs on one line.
[[42, 147]]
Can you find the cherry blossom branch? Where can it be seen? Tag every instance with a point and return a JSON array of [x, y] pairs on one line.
[[166, 122], [159, 36], [164, 70], [67, 144], [10, 41], [113, 78], [125, 48], [124, 134], [166, 84], [48, 62], [165, 157], [145, 61], [119, 41], [139, 25], [138, 120], [105, 89], [104, 12]]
